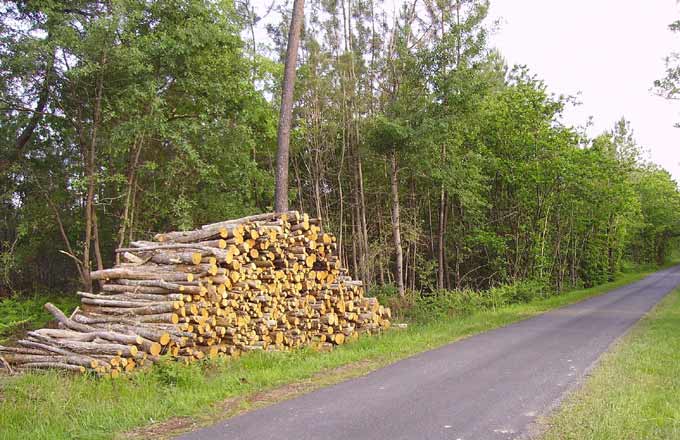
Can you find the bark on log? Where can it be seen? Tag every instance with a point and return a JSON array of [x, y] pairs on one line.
[[52, 365], [154, 309], [85, 361], [141, 298], [171, 318], [290, 215], [133, 274], [210, 233], [150, 286], [89, 347], [22, 350], [63, 320], [167, 306]]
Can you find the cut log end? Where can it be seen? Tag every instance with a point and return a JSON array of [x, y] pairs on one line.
[[266, 282]]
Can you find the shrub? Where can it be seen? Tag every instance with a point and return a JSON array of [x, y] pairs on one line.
[[444, 304], [384, 293], [26, 311]]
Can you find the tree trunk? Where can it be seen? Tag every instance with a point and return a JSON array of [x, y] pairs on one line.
[[286, 115], [43, 97], [368, 276], [97, 245], [299, 187], [90, 171], [131, 182], [381, 273], [79, 264], [396, 230], [441, 255]]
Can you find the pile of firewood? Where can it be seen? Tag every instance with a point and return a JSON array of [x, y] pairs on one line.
[[264, 282]]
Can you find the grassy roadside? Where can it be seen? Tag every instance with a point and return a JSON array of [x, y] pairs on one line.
[[634, 393], [53, 405]]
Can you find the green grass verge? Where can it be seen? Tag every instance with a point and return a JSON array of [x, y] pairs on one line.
[[55, 406], [634, 392]]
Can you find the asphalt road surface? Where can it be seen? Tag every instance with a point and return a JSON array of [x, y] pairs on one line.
[[489, 386]]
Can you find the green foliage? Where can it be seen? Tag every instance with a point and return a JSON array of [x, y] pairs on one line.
[[387, 136], [178, 102], [669, 85], [451, 304], [160, 93], [21, 312], [384, 292], [656, 235], [170, 373]]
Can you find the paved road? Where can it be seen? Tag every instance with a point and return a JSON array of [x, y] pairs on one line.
[[489, 386]]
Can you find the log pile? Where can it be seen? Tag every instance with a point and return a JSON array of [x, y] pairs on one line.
[[264, 282]]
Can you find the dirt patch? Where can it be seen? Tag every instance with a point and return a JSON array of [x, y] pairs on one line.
[[161, 430], [238, 405]]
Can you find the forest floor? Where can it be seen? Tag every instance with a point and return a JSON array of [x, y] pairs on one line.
[[634, 393], [173, 398]]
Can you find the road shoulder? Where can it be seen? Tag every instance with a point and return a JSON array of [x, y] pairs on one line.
[[633, 392]]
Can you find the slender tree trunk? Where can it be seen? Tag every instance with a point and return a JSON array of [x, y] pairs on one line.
[[316, 177], [413, 266], [43, 97], [90, 172], [441, 237], [286, 114], [611, 251], [413, 245], [67, 242], [573, 255], [361, 201], [341, 199], [441, 252], [362, 229], [251, 19], [447, 274], [429, 217], [381, 273], [355, 265], [396, 229], [299, 187], [97, 243], [457, 277], [133, 205], [406, 268], [371, 77], [131, 179]]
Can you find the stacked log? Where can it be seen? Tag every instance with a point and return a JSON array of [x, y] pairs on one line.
[[264, 282]]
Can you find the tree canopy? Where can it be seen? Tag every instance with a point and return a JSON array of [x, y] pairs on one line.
[[122, 118]]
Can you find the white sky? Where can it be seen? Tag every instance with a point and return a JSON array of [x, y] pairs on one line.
[[610, 51]]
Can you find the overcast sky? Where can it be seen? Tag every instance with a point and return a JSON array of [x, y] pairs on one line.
[[610, 51]]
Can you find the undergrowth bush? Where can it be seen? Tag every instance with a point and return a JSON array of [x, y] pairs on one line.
[[442, 304], [384, 293], [171, 373], [26, 311]]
